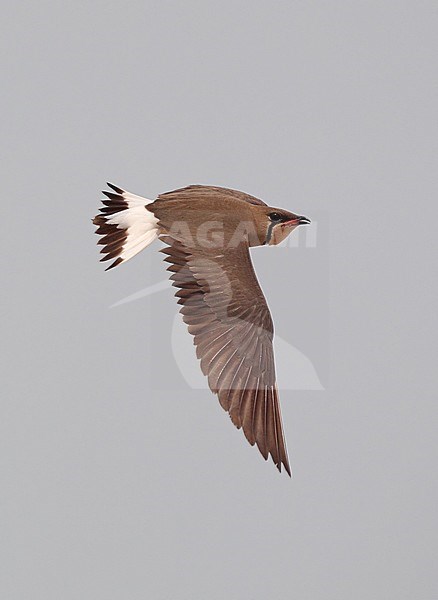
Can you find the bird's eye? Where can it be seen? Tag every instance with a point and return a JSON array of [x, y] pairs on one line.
[[274, 216]]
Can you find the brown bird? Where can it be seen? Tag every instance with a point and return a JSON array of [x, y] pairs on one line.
[[207, 233]]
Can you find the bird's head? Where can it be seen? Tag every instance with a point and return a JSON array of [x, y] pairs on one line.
[[275, 224]]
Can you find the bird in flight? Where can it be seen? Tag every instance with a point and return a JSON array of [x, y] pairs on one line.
[[207, 232]]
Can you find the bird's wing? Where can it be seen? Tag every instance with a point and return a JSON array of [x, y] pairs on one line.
[[226, 312], [209, 191]]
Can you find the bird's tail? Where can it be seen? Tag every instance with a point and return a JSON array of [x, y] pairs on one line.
[[125, 224]]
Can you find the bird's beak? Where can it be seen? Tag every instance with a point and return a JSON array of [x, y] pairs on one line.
[[298, 221]]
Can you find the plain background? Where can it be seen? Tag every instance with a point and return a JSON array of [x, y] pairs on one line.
[[113, 488]]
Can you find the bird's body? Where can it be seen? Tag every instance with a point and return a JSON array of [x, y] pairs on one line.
[[207, 233]]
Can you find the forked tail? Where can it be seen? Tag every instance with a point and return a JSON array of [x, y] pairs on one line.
[[125, 224]]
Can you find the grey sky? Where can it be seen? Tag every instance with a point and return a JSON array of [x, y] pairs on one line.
[[118, 480]]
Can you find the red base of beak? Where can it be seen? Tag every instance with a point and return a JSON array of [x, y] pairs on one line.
[[297, 221]]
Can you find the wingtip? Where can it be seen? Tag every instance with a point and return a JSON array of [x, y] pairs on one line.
[[286, 468]]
